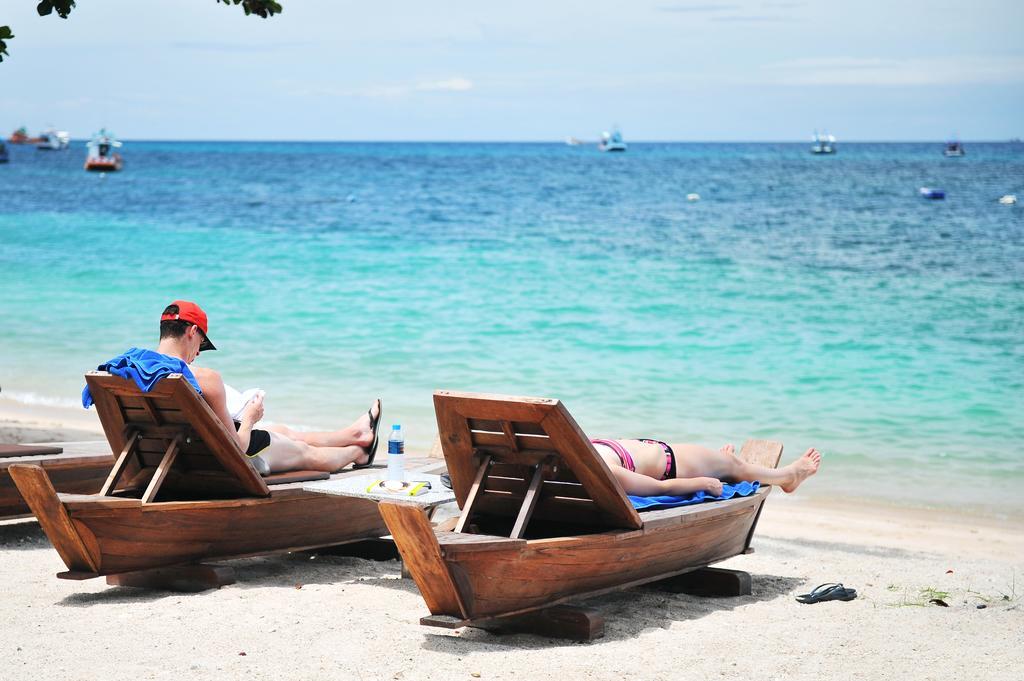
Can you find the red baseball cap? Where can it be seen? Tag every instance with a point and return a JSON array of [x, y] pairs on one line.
[[190, 312]]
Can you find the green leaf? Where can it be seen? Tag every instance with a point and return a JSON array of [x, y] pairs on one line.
[[261, 8], [5, 33], [63, 7]]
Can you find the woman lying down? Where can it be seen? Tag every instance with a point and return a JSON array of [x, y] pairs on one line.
[[651, 468]]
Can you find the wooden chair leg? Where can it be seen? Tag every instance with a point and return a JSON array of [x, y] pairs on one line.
[[529, 501], [708, 582], [186, 578], [122, 462], [162, 470], [474, 493]]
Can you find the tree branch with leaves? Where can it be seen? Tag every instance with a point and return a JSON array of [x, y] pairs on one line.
[[261, 8]]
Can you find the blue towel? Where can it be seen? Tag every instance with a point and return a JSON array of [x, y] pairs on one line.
[[146, 368], [740, 489]]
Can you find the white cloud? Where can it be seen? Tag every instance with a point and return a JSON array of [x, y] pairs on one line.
[[882, 71], [448, 85]]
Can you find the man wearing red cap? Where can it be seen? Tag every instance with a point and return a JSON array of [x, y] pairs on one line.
[[184, 333]]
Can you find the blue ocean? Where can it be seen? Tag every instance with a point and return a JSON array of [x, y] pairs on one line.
[[813, 300]]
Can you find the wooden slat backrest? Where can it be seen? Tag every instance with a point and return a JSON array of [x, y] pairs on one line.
[[762, 452], [210, 456], [519, 433]]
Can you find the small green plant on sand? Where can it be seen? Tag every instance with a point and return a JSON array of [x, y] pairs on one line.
[[923, 598], [929, 594], [1012, 594]]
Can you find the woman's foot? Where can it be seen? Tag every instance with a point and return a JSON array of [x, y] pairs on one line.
[[367, 425], [728, 449], [801, 469]]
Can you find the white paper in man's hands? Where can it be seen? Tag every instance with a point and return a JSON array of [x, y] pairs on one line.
[[237, 400]]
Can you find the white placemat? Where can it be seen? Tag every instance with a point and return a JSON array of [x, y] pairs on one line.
[[358, 486]]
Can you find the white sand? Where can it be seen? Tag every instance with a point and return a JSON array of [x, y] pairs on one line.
[[36, 423], [356, 619]]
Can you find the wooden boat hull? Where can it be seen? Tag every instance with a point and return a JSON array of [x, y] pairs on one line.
[[475, 577], [69, 472], [98, 535]]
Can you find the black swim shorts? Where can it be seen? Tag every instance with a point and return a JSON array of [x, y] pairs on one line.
[[258, 441]]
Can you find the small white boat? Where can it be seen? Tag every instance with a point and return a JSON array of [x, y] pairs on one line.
[[54, 140], [572, 141], [100, 157], [823, 144], [693, 198], [611, 141], [954, 149], [933, 193], [1008, 199]]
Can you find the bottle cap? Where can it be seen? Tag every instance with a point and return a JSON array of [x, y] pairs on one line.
[[396, 427]]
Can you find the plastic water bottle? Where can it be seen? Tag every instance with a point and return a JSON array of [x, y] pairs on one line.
[[396, 454]]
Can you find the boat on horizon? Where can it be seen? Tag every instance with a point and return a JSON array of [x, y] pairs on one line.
[[21, 136], [54, 140], [612, 141], [954, 149], [100, 157], [823, 144]]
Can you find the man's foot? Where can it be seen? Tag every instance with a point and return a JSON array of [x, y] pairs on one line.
[[801, 469], [728, 449], [366, 425]]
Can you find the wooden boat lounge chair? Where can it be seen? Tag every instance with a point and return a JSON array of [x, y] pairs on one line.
[[544, 521], [78, 468], [181, 492]]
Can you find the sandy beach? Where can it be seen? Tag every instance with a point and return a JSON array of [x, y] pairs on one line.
[[316, 615], [511, 229]]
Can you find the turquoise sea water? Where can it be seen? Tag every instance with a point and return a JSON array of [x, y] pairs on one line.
[[815, 300]]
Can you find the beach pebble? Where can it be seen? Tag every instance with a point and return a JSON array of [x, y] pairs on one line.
[[981, 606]]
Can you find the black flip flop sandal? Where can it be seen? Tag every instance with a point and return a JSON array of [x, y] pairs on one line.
[[375, 426], [833, 591]]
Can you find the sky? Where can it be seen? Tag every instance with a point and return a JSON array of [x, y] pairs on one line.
[[735, 70]]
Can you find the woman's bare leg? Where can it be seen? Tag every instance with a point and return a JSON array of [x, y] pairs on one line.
[[694, 461]]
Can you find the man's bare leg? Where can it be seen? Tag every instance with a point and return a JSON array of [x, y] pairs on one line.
[[285, 454], [359, 433], [694, 461]]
